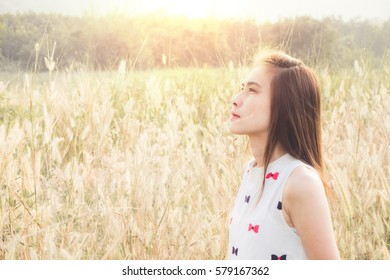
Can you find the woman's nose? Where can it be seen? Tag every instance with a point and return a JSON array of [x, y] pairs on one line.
[[236, 101]]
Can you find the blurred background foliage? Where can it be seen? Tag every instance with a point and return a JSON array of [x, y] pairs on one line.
[[157, 41]]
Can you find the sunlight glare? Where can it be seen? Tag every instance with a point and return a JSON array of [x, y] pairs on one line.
[[190, 9], [261, 10]]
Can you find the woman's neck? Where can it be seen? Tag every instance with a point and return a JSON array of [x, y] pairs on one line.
[[258, 150]]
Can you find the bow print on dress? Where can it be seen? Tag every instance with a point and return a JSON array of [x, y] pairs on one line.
[[247, 197], [279, 205], [275, 257], [235, 251], [272, 175], [255, 228]]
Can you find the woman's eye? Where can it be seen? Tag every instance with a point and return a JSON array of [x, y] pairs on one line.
[[251, 90]]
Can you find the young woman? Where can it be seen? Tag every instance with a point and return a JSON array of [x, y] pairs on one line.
[[281, 210]]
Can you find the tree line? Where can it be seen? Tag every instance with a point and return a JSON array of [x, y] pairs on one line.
[[42, 42]]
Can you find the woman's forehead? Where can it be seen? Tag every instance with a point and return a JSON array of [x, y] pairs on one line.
[[260, 75]]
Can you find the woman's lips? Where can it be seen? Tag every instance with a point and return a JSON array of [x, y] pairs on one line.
[[234, 116]]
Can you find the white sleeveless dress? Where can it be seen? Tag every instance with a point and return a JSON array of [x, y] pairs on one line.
[[258, 229]]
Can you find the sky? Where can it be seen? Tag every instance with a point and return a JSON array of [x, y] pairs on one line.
[[261, 10]]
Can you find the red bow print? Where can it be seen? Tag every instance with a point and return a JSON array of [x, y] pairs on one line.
[[272, 175], [254, 228]]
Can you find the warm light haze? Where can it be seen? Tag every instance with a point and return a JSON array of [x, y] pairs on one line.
[[261, 10], [114, 135]]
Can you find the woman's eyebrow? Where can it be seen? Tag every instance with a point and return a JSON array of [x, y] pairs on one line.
[[249, 83]]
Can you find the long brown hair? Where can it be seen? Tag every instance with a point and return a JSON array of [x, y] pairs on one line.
[[295, 111]]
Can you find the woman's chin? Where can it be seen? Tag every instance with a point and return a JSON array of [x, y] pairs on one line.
[[235, 130]]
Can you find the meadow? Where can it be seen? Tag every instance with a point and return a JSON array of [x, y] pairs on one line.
[[141, 165]]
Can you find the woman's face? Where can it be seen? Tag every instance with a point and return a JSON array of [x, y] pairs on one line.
[[252, 106]]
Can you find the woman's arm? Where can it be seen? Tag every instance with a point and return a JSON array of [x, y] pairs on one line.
[[308, 210]]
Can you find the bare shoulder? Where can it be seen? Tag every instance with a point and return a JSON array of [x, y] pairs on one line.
[[303, 184], [303, 193], [307, 210]]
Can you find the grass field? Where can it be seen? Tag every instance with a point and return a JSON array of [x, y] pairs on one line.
[[141, 165]]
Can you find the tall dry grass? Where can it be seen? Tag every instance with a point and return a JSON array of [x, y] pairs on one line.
[[141, 165], [357, 140]]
